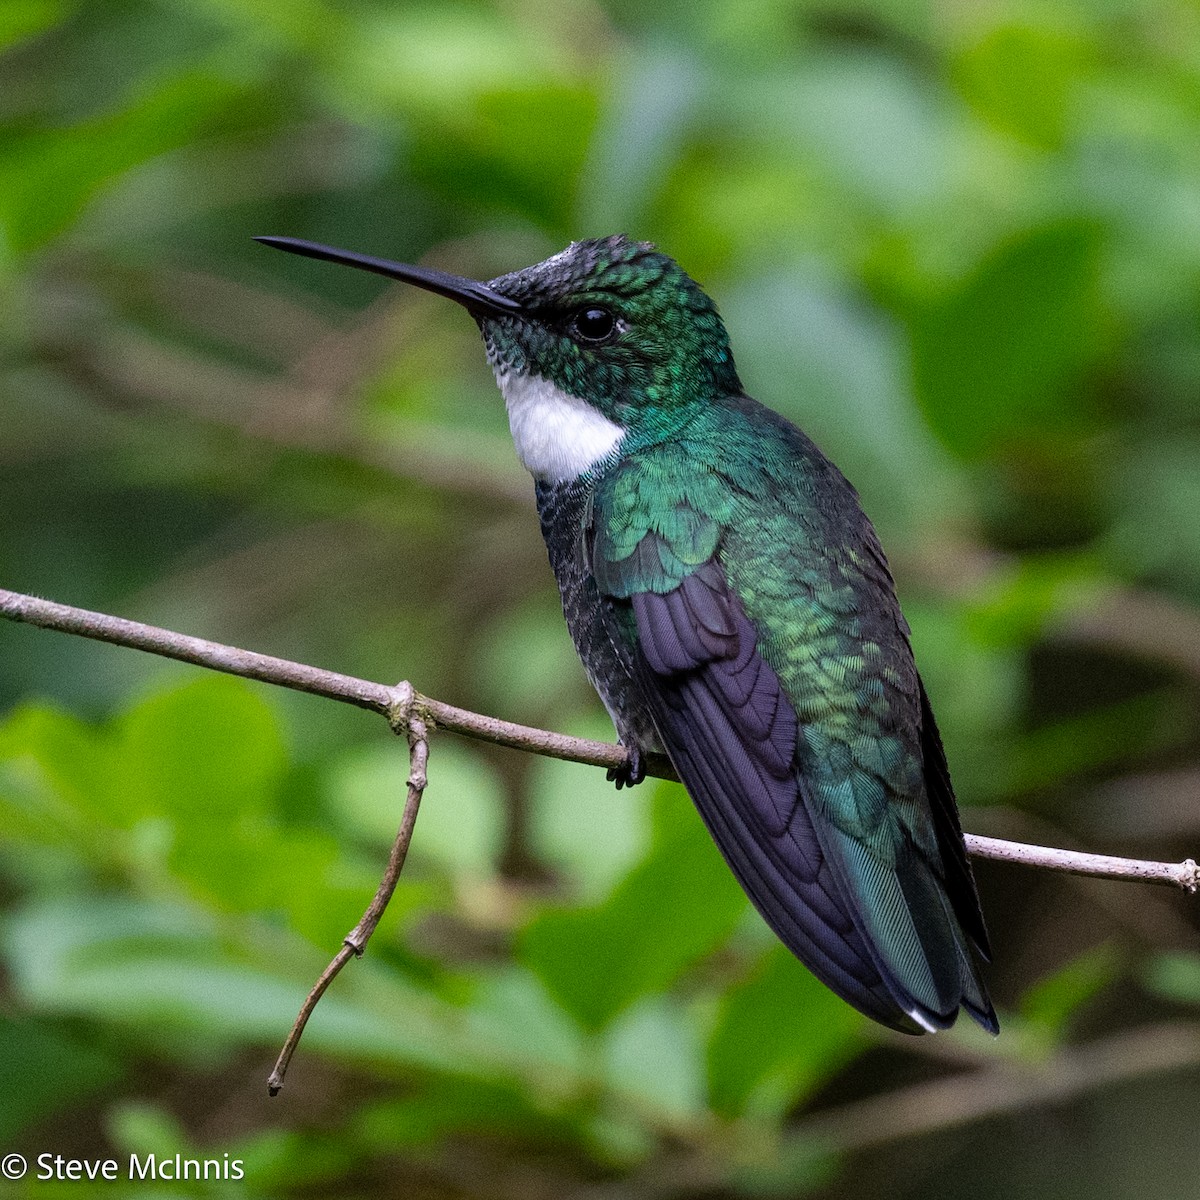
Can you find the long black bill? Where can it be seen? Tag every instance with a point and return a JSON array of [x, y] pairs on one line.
[[475, 297]]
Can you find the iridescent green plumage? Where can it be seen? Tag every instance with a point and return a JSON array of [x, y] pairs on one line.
[[740, 488], [732, 606]]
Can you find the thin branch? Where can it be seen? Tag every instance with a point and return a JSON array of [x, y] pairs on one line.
[[356, 940], [1185, 875], [249, 665], [293, 415], [925, 1109], [943, 1104], [300, 677], [962, 1099], [400, 704]]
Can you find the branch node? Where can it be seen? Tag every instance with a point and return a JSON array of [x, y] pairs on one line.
[[399, 712], [1190, 875]]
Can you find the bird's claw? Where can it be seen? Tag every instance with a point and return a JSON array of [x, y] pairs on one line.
[[630, 772]]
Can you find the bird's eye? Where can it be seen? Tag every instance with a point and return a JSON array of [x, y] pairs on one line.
[[594, 324]]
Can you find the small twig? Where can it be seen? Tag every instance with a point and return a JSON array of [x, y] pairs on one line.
[[356, 940], [1185, 875], [437, 714]]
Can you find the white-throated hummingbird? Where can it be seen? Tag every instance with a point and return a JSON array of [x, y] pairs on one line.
[[733, 608]]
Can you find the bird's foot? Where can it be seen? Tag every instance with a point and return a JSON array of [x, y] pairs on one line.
[[630, 772]]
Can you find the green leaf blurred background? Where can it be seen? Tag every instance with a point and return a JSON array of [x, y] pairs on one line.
[[960, 245]]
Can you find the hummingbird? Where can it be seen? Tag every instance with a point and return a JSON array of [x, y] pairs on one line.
[[734, 609]]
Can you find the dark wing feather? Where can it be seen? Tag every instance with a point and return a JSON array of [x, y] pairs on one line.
[[885, 937], [732, 736], [960, 882]]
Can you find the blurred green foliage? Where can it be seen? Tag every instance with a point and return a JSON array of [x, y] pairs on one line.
[[960, 245]]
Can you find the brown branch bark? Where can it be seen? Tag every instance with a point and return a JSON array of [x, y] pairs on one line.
[[355, 942], [401, 704]]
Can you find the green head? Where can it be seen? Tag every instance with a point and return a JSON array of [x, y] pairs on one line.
[[617, 323], [607, 344]]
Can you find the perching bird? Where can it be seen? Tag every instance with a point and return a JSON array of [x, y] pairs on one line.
[[732, 606]]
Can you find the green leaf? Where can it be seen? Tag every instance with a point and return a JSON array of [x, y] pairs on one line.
[[46, 180], [1021, 78], [817, 354], [279, 1160], [445, 1107], [56, 1069], [198, 780], [785, 1168], [679, 903], [460, 826], [55, 782], [582, 825], [653, 1056], [1175, 976], [977, 690], [640, 135], [147, 1129], [881, 134], [779, 1034], [1108, 734], [510, 1010], [998, 360], [163, 971], [208, 752], [520, 150], [1157, 534], [527, 666], [21, 19], [1033, 591], [443, 58], [1051, 1002]]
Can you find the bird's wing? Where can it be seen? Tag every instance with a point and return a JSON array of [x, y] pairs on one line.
[[874, 917]]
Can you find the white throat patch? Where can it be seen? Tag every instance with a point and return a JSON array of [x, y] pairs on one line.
[[558, 436]]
